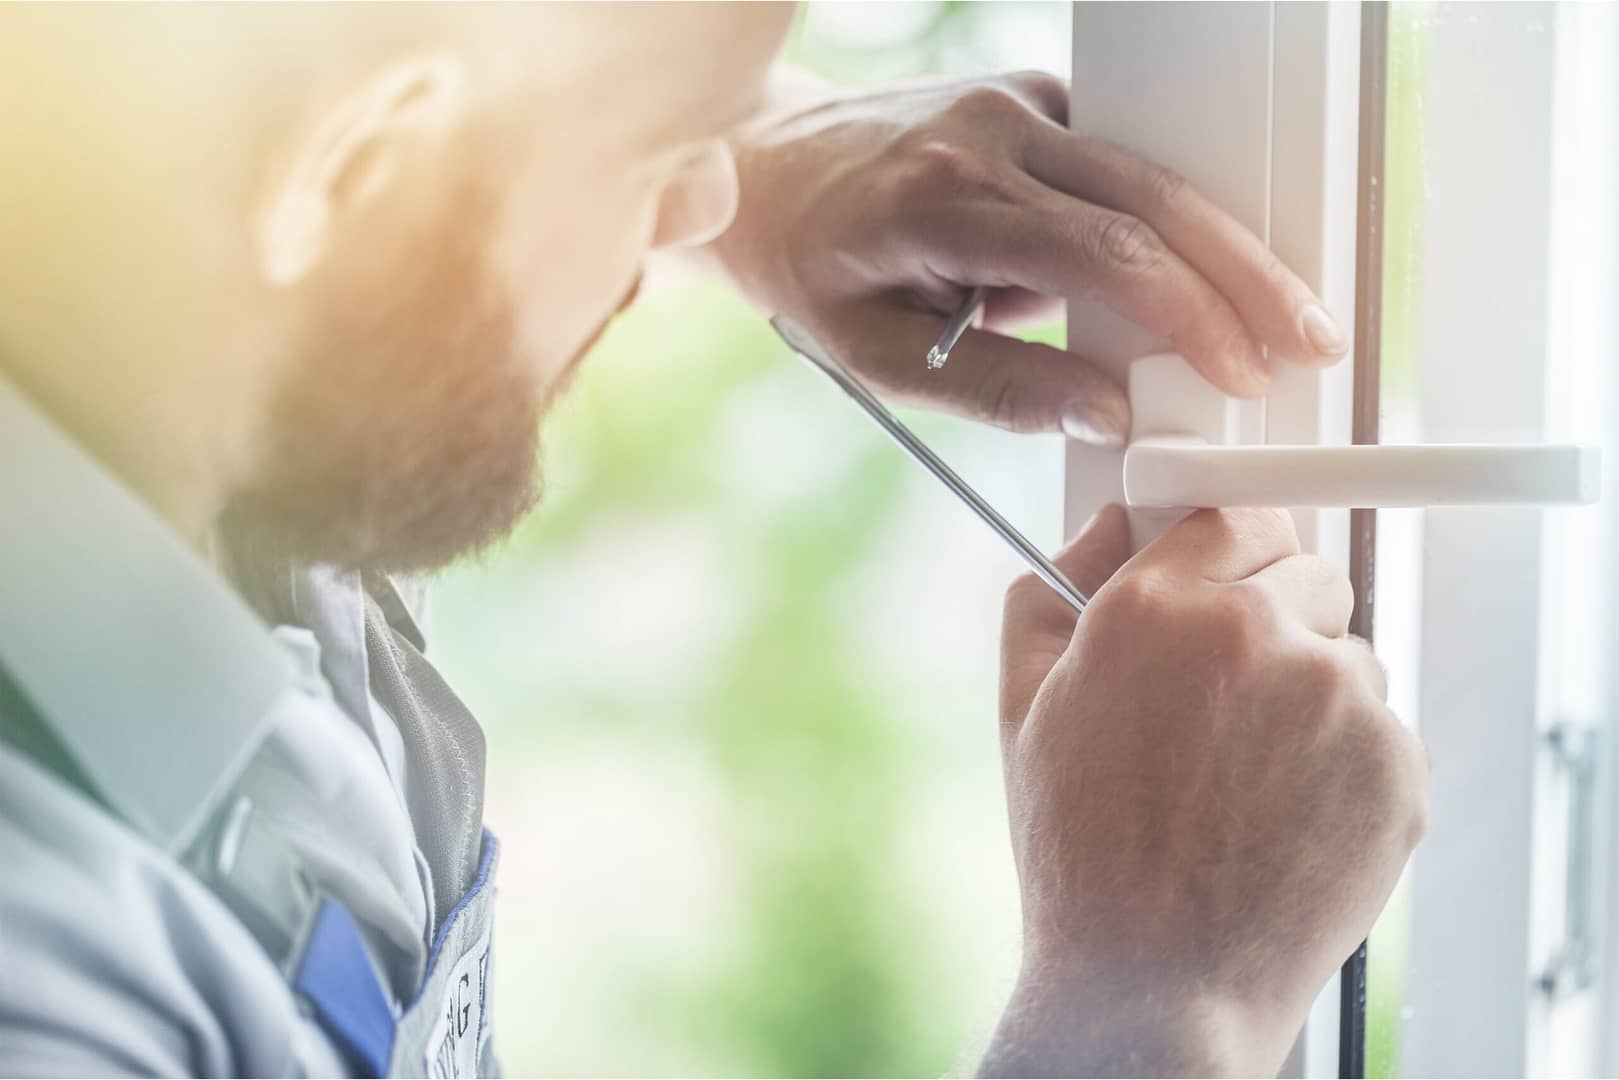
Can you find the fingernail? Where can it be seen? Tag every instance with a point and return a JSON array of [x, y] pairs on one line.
[[1094, 423], [1323, 332]]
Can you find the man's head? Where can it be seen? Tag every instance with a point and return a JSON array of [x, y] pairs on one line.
[[348, 253]]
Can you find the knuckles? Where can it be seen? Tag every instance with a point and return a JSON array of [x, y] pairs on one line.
[[1126, 243], [1018, 594], [1332, 579], [1324, 677], [929, 173], [1241, 621], [941, 163], [1166, 188], [986, 103], [965, 147], [1244, 526], [1417, 816], [1237, 621], [1410, 776], [1383, 763], [1043, 86], [1140, 600], [1396, 778], [1274, 270], [996, 392], [1233, 343]]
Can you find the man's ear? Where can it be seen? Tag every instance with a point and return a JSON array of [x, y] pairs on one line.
[[701, 200], [350, 157]]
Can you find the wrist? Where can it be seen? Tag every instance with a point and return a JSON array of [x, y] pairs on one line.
[[789, 91], [752, 254], [1078, 1019]]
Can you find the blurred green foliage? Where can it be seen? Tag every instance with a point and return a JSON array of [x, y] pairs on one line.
[[738, 675]]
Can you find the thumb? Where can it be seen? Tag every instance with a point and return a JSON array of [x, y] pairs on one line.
[[1038, 624], [999, 380]]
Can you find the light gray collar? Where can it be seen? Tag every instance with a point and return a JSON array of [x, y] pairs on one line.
[[154, 674]]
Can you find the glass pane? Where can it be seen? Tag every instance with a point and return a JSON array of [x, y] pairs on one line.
[[1399, 532], [1500, 237]]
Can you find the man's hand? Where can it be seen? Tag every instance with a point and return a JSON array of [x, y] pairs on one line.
[[866, 217], [1210, 802]]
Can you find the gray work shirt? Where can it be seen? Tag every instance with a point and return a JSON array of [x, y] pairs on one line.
[[169, 692]]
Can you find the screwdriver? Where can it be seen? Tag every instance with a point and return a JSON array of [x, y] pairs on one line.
[[801, 342]]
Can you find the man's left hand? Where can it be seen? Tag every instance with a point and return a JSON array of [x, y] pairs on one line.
[[867, 218]]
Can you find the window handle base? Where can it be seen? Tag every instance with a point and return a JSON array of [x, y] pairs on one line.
[[1184, 470]]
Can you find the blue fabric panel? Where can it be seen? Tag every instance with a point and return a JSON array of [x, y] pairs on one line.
[[336, 977]]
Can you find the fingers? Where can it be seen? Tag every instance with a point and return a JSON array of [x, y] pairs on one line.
[[1017, 385], [1096, 552], [1358, 656], [1038, 624], [1033, 608], [1035, 616], [1311, 590], [1024, 386], [1008, 310], [1223, 545], [1049, 242], [1277, 308]]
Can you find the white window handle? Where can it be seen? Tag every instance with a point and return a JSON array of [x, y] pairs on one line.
[[1166, 468]]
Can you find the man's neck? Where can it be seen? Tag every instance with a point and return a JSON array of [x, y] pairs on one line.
[[123, 322], [146, 440]]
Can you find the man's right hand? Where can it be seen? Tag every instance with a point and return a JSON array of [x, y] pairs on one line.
[[1210, 802]]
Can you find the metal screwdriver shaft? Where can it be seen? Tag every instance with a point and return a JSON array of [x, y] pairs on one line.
[[800, 341]]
